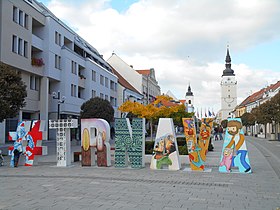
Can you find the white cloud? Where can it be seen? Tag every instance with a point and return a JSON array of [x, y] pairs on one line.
[[163, 33]]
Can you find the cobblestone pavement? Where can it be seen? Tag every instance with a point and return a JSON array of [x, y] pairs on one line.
[[46, 186]]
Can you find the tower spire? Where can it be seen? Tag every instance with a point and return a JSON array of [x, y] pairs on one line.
[[189, 93], [228, 71]]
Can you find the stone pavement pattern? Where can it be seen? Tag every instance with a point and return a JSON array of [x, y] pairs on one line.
[[49, 187]]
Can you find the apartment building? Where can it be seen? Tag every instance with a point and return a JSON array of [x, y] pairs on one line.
[[51, 57]]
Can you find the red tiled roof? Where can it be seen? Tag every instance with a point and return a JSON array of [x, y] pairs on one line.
[[259, 94], [144, 72], [168, 103]]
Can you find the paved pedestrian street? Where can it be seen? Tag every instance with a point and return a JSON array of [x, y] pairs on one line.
[[46, 186]]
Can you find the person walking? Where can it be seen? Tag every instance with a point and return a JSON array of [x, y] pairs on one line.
[[220, 131]]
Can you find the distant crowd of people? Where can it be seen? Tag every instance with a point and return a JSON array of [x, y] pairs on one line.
[[218, 133]]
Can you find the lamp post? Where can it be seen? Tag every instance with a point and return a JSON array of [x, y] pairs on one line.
[[60, 101]]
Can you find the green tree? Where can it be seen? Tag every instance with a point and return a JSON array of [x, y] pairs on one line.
[[12, 92], [97, 108], [275, 107], [248, 119]]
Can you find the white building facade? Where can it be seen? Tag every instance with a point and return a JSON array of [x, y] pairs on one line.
[[51, 58]]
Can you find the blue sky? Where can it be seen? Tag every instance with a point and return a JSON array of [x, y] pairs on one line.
[[184, 41]]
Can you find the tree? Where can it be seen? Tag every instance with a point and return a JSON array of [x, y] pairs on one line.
[[248, 119], [97, 108], [12, 92], [275, 107], [155, 110]]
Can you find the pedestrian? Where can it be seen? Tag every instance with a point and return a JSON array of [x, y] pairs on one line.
[[220, 131], [216, 130], [16, 157]]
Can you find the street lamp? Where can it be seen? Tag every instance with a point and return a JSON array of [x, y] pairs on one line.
[[60, 101]]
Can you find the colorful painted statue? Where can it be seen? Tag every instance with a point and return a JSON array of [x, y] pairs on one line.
[[165, 149], [204, 136], [95, 138], [27, 141], [235, 140], [23, 144], [196, 162], [129, 142], [197, 149]]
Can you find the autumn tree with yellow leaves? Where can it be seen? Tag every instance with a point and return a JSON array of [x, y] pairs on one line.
[[155, 110]]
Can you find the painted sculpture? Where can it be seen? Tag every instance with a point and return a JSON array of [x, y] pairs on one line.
[[63, 146], [234, 153], [165, 149], [194, 151], [27, 141], [204, 136], [95, 138], [129, 142]]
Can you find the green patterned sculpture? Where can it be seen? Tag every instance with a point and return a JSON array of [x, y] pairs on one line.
[[129, 142]]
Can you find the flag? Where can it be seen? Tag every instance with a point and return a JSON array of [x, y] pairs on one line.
[[205, 112], [209, 113], [213, 113]]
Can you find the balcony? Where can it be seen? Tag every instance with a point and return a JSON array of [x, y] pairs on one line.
[[37, 42], [82, 81]]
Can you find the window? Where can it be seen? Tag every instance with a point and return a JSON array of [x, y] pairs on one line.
[[101, 95], [93, 77], [57, 62], [106, 97], [93, 93], [74, 67], [15, 14], [19, 46], [112, 85], [14, 44], [26, 21], [112, 101], [20, 18], [58, 38], [34, 82], [25, 49], [106, 82], [101, 80], [73, 90]]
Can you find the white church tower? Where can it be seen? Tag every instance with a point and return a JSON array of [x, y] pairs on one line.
[[228, 90], [189, 100]]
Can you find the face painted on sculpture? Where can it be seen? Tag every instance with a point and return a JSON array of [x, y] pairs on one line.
[[233, 127], [227, 152]]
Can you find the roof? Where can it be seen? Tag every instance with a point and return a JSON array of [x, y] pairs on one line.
[[144, 72], [260, 94], [124, 82], [228, 71]]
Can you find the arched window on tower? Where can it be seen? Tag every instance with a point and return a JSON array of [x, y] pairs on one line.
[[190, 102]]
